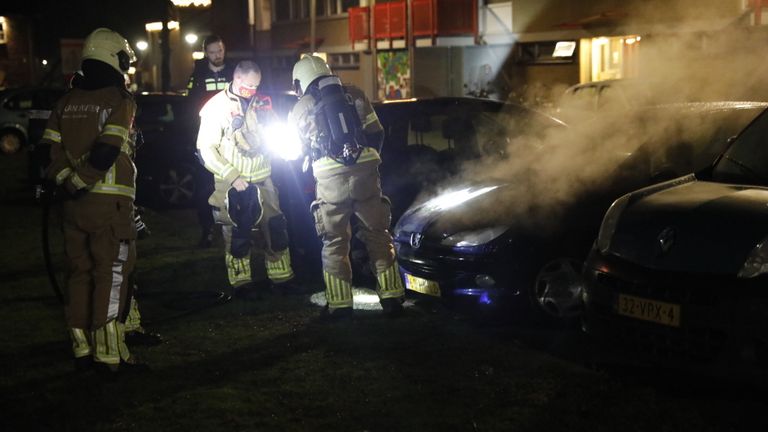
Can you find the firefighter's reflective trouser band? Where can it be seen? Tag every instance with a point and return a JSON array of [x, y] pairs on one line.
[[81, 344], [280, 270], [390, 284], [338, 291], [133, 321], [106, 344], [109, 343], [277, 263], [239, 269]]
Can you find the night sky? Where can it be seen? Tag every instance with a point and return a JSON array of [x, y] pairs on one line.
[[56, 19]]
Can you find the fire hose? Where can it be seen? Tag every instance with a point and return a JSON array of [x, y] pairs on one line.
[[47, 197]]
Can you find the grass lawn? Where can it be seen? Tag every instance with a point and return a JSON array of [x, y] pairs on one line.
[[270, 365]]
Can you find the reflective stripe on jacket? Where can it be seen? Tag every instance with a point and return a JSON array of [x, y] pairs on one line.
[[82, 118], [327, 165]]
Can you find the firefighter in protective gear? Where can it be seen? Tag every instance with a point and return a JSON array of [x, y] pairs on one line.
[[231, 145], [88, 133], [340, 130]]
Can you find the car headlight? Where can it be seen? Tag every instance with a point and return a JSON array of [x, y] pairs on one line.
[[757, 261], [474, 237], [610, 221], [456, 198]]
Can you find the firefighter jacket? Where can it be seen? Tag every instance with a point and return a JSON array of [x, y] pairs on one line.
[[303, 116], [219, 135], [204, 82], [80, 119]]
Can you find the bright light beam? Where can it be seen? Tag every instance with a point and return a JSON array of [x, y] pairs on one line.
[[283, 141]]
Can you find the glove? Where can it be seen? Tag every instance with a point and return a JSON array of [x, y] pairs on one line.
[[142, 230], [72, 192]]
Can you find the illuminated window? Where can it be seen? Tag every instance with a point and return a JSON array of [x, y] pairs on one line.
[[2, 31], [344, 61], [612, 57], [293, 10]]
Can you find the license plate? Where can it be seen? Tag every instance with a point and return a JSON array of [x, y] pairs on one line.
[[649, 310], [423, 286]]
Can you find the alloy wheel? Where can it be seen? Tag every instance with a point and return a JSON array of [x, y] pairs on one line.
[[558, 287], [10, 143], [178, 186]]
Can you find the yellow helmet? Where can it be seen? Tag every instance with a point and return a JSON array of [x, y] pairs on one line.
[[308, 69], [109, 47]]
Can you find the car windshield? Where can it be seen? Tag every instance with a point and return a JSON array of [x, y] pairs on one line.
[[746, 160]]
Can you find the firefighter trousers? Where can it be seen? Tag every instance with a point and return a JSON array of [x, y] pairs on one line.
[[99, 237], [270, 236], [341, 193]]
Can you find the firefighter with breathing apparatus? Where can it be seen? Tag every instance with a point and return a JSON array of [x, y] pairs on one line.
[[342, 135], [232, 145], [88, 133]]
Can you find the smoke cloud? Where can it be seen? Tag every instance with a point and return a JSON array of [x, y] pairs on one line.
[[690, 65]]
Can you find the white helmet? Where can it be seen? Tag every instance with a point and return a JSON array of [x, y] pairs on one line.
[[109, 47], [308, 69]]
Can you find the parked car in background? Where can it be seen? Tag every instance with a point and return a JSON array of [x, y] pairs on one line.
[[167, 169], [516, 238], [678, 271], [581, 101], [23, 115]]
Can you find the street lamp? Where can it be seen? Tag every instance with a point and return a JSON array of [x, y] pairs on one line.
[[191, 38], [142, 45]]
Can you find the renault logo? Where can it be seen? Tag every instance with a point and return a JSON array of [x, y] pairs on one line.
[[666, 239], [416, 239]]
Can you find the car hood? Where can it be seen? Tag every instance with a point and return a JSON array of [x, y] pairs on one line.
[[694, 227], [460, 209]]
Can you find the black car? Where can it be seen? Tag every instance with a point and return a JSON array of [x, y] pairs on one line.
[[525, 235], [427, 139], [166, 166], [678, 271]]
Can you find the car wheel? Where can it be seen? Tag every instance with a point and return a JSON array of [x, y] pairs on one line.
[[10, 142], [557, 288], [177, 186]]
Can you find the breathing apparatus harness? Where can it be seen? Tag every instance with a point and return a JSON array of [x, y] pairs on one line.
[[261, 106], [340, 132]]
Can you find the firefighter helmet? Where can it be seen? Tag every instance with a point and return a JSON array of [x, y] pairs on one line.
[[307, 70], [109, 47]]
